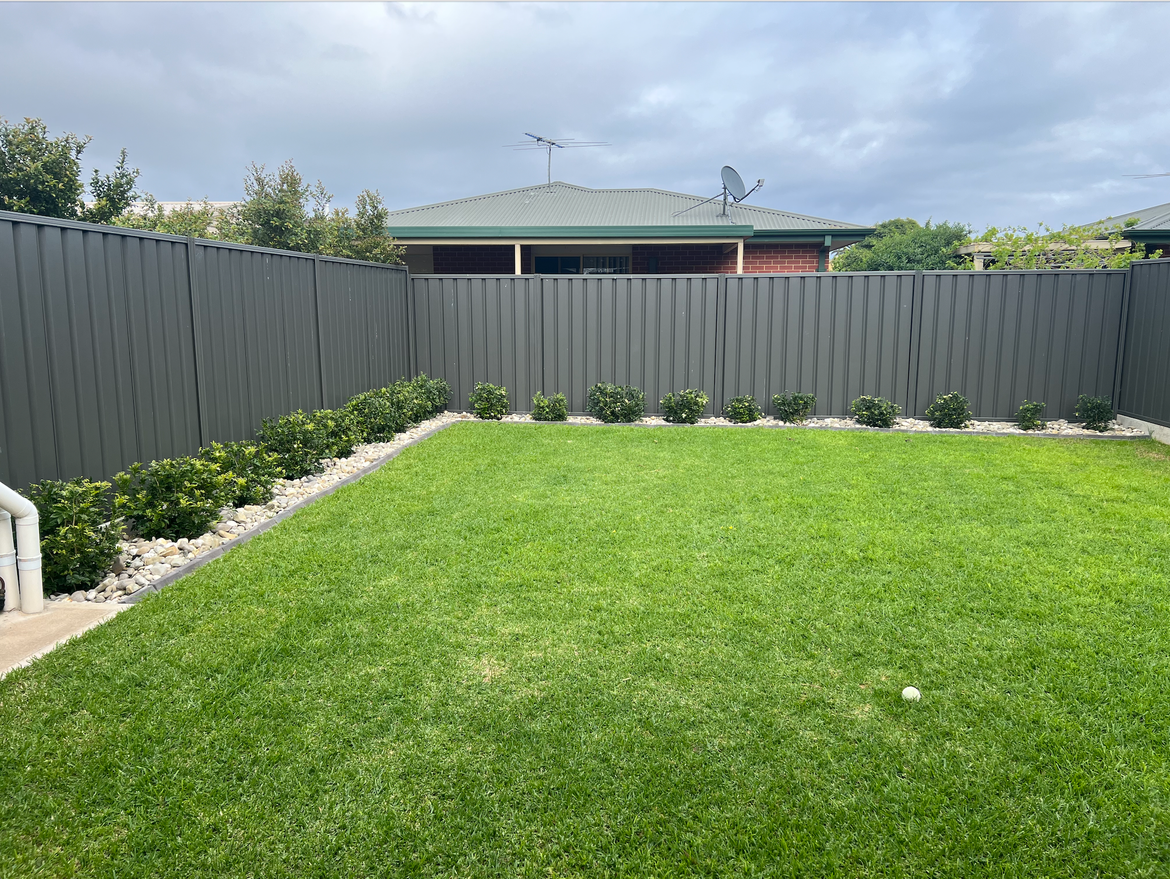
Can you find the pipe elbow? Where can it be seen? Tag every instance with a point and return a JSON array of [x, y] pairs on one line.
[[18, 506]]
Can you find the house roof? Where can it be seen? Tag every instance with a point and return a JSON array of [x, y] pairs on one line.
[[1157, 217], [565, 210], [1153, 224]]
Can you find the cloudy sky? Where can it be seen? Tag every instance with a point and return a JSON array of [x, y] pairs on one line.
[[981, 113]]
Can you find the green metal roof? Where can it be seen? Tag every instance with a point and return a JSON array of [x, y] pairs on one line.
[[1153, 219], [562, 210]]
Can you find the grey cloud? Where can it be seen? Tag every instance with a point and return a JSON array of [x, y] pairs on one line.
[[991, 113]]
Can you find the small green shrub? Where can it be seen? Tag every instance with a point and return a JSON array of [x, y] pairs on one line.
[[554, 408], [299, 442], [377, 415], [339, 432], [251, 471], [77, 548], [1029, 416], [685, 407], [488, 401], [949, 410], [743, 410], [1095, 412], [428, 397], [793, 408], [874, 411], [172, 498], [615, 404]]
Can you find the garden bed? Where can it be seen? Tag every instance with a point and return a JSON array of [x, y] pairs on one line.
[[1057, 428]]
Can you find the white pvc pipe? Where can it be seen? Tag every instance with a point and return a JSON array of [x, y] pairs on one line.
[[28, 550], [8, 562]]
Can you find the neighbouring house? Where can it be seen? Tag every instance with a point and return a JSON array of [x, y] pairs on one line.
[[1151, 229], [562, 229], [1149, 226]]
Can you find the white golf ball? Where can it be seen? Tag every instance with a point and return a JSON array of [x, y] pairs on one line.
[[911, 694]]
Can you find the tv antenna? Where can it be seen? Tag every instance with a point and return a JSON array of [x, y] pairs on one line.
[[733, 187], [549, 144], [1147, 176]]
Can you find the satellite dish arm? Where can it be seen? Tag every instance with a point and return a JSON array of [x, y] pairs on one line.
[[759, 185], [697, 205]]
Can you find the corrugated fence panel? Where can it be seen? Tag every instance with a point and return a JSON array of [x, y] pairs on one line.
[[107, 355], [1145, 374], [482, 329], [98, 334], [258, 337], [364, 327], [657, 333], [96, 350], [1000, 338], [834, 335]]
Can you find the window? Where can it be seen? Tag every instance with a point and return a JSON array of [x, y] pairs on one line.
[[606, 265], [581, 265], [557, 265]]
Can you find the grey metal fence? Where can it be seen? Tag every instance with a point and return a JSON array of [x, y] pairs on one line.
[[834, 335], [563, 334], [1000, 338], [119, 346], [1145, 372]]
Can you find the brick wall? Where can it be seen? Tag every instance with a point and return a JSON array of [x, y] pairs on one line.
[[703, 259], [673, 259], [774, 258], [475, 259]]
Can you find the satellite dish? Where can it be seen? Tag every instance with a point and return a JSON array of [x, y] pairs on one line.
[[734, 183], [732, 186]]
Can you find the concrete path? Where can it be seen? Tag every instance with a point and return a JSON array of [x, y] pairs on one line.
[[24, 637]]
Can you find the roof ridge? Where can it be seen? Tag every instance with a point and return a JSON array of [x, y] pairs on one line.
[[562, 203]]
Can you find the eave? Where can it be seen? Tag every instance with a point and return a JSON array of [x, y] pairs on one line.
[[624, 234]]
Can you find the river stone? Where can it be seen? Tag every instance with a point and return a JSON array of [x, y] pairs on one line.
[[77, 596]]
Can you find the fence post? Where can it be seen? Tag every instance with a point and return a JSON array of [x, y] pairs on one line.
[[320, 337], [916, 294], [411, 329], [720, 359], [196, 341], [1121, 336]]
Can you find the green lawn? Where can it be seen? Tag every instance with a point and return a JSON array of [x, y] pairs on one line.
[[550, 651]]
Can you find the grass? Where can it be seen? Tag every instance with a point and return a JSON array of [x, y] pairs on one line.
[[557, 651]]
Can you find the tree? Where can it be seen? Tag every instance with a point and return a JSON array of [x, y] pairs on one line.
[[42, 175], [39, 174], [1094, 246], [276, 211], [904, 245], [364, 236], [197, 219], [112, 194], [281, 210]]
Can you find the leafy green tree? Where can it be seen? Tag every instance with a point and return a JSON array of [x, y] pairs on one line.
[[113, 194], [280, 210], [1095, 246], [364, 235], [905, 245], [40, 174], [198, 219]]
